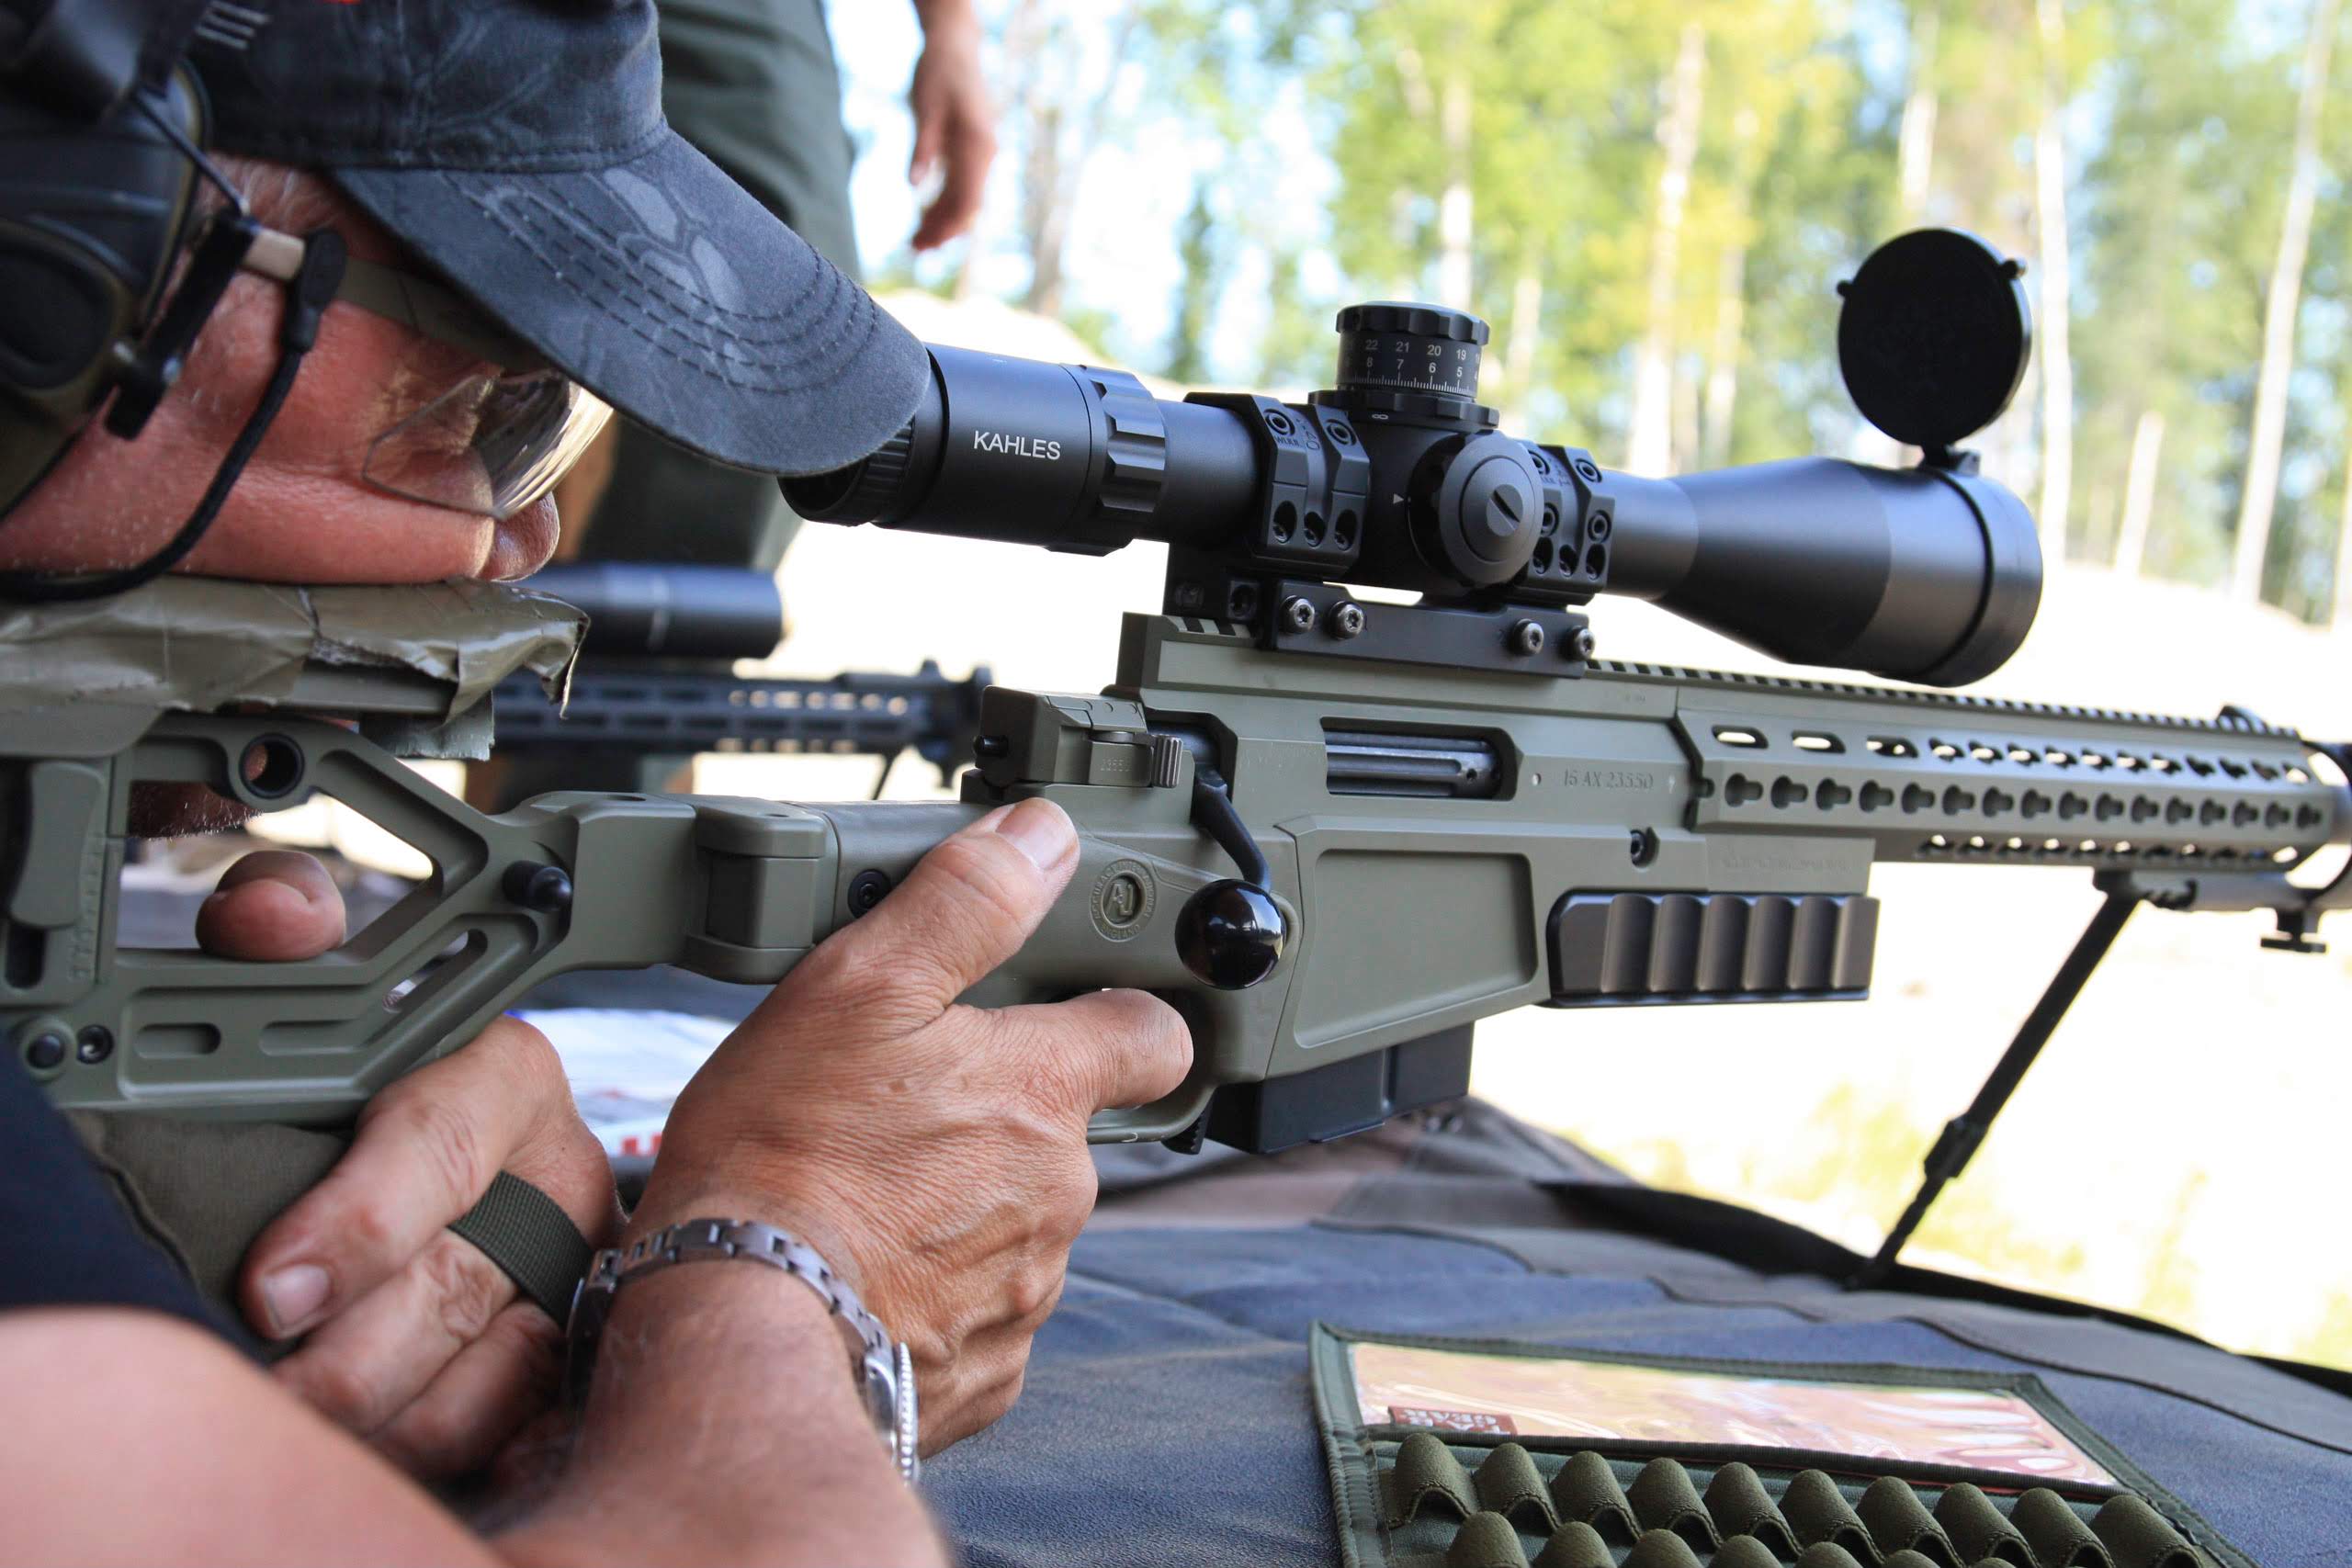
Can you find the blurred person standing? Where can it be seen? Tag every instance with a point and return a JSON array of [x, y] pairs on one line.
[[754, 86]]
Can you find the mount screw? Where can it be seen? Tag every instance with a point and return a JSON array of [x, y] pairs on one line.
[[1580, 643], [1526, 636], [1589, 470], [1346, 619], [1298, 614]]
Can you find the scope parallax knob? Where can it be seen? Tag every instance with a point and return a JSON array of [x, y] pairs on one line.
[[1231, 934], [1478, 508]]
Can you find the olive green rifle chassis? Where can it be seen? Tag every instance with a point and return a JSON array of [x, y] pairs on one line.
[[1444, 844]]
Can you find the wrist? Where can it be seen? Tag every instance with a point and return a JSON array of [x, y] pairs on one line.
[[952, 21], [805, 1216]]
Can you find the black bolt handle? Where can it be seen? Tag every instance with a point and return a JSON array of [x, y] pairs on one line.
[[1231, 933]]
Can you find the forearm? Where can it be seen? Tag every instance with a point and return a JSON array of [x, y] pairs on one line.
[[723, 1426]]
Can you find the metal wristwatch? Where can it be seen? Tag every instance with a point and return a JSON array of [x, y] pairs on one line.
[[884, 1371]]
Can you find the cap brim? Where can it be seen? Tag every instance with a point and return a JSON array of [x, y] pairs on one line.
[[665, 288]]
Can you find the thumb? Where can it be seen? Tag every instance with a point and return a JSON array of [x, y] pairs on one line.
[[966, 907], [272, 904]]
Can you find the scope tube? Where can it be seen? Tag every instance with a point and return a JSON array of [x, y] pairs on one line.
[[1916, 574], [1068, 456]]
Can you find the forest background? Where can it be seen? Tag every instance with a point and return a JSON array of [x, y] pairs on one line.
[[1651, 203]]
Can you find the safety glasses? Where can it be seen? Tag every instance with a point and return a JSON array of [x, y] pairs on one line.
[[492, 444]]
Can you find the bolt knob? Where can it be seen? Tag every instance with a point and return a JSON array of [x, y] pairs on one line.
[[1231, 934]]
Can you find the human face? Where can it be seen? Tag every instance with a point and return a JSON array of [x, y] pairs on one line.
[[301, 511]]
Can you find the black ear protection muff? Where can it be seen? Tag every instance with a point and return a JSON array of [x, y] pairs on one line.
[[101, 151]]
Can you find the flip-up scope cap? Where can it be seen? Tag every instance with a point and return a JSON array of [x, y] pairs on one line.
[[1934, 336]]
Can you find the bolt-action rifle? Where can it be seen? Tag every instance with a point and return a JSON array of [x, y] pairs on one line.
[[1335, 833]]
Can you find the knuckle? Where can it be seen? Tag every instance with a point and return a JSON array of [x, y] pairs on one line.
[[336, 1388], [449, 1141], [467, 1288]]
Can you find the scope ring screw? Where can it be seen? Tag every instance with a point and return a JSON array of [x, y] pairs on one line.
[[1346, 619], [93, 1045], [1279, 423], [1526, 637], [1298, 614], [866, 889], [537, 885], [1589, 470], [1340, 434], [1580, 643], [1599, 527]]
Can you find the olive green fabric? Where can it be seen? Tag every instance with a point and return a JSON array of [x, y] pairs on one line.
[[203, 1190], [753, 85], [1406, 1497]]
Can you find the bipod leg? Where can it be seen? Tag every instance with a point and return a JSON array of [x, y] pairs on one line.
[[1964, 1133]]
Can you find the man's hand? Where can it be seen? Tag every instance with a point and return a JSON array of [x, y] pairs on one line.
[[411, 1337], [935, 1153], [955, 122]]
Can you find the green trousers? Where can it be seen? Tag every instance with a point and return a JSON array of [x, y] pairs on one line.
[[753, 85]]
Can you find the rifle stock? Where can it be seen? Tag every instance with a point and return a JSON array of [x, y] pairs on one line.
[[1443, 846]]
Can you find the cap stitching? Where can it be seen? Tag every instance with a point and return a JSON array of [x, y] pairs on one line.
[[864, 319], [805, 320]]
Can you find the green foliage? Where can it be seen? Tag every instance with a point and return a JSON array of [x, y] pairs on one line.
[[2177, 115]]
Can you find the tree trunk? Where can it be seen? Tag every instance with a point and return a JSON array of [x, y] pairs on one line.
[[1731, 303], [2278, 309], [1453, 208], [2140, 494], [2057, 365], [1915, 142], [2344, 557], [1723, 358], [1650, 431], [1518, 352], [1052, 178], [1024, 39]]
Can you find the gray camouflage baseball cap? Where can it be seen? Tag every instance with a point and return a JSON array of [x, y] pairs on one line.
[[518, 147]]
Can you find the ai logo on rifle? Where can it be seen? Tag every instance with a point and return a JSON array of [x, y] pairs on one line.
[[1123, 899]]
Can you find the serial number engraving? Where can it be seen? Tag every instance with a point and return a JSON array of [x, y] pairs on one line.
[[1608, 778]]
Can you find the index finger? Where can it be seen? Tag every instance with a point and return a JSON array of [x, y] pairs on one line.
[[1115, 1048]]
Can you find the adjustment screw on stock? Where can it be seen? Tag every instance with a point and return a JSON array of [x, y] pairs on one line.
[[1298, 614], [93, 1045], [1526, 637], [866, 889], [45, 1050], [537, 885], [1346, 619]]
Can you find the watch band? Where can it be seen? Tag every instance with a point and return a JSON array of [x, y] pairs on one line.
[[884, 1372]]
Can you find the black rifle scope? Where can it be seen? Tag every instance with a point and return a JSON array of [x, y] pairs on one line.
[[1398, 479]]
